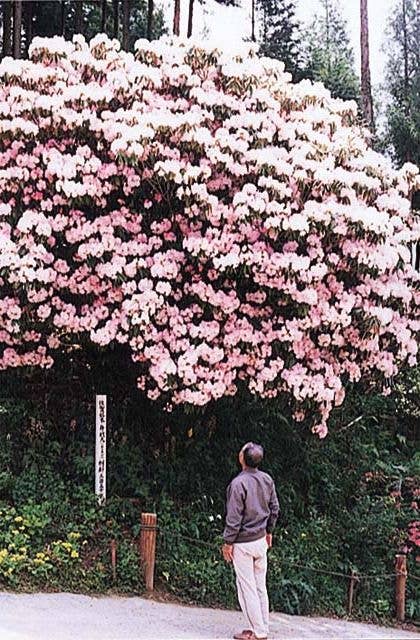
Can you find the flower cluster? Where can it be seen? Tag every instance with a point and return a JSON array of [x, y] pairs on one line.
[[230, 228], [22, 535]]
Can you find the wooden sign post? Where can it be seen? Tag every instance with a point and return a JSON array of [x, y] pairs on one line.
[[100, 449]]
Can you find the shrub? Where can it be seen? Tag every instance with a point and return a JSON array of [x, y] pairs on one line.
[[202, 215]]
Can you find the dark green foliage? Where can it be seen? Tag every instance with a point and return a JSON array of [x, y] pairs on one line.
[[138, 21], [51, 17], [328, 55], [46, 18], [403, 82], [280, 33], [346, 502]]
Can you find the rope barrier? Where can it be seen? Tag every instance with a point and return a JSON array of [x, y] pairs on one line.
[[210, 545], [215, 547], [374, 576]]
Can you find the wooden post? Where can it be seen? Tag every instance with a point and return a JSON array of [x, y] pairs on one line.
[[352, 583], [400, 584], [148, 547], [114, 559]]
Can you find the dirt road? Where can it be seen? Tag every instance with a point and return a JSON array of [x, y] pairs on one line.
[[66, 616]]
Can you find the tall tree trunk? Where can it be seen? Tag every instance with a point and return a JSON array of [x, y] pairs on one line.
[[115, 18], [103, 15], [17, 28], [405, 47], [327, 28], [177, 16], [406, 102], [126, 24], [7, 28], [63, 17], [367, 104], [28, 22], [190, 18], [78, 16], [150, 10], [253, 38]]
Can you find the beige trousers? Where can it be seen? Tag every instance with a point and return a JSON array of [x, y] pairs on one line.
[[250, 563]]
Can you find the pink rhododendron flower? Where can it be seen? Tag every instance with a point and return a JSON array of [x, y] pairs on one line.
[[231, 228]]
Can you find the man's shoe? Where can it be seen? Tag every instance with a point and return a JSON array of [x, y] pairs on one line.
[[246, 634]]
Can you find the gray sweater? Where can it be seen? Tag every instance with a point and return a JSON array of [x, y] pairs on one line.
[[252, 507]]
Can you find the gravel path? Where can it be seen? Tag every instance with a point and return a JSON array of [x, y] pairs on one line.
[[66, 616]]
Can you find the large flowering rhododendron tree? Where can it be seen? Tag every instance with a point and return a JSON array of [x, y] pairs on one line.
[[231, 228]]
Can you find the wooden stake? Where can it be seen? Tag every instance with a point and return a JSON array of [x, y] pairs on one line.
[[352, 583], [114, 559], [148, 547], [400, 584]]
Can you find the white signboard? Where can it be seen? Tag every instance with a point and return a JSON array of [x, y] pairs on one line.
[[100, 449]]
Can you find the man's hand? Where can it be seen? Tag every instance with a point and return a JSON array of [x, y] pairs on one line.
[[227, 550], [269, 539]]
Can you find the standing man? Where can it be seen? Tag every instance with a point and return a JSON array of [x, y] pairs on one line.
[[252, 509]]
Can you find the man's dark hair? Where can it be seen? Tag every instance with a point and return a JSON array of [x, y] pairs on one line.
[[253, 454]]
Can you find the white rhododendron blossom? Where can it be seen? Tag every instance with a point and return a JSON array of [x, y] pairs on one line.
[[231, 229]]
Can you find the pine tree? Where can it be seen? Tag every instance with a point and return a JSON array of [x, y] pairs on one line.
[[47, 18], [329, 58], [279, 32], [403, 82]]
